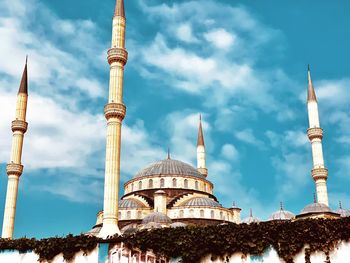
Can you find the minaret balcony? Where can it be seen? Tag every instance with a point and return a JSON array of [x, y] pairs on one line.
[[14, 169], [117, 55], [116, 110], [319, 173], [315, 133], [18, 125]]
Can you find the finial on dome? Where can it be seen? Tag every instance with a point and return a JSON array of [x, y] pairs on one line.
[[119, 8], [311, 95], [340, 205], [200, 141], [281, 205], [251, 212], [234, 204], [168, 153], [23, 88]]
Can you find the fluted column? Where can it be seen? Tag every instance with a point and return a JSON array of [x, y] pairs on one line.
[[14, 169], [315, 134], [115, 112]]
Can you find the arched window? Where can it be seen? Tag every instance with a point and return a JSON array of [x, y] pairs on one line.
[[132, 187], [196, 185], [139, 214], [181, 213], [140, 185], [191, 213], [205, 187], [150, 183], [119, 215], [174, 182], [128, 215], [212, 214], [201, 213], [186, 183], [162, 182], [221, 216]]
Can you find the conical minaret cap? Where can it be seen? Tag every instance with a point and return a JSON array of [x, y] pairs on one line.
[[23, 87], [311, 95], [119, 8], [200, 140]]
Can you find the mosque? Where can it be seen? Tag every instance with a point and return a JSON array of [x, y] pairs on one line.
[[167, 193]]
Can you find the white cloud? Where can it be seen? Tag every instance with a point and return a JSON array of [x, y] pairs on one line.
[[220, 38], [184, 33], [248, 136], [229, 152]]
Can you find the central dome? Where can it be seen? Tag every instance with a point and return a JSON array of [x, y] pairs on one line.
[[169, 167]]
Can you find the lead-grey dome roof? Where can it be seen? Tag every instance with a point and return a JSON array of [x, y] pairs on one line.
[[315, 208], [157, 217], [201, 201], [282, 215], [169, 167], [343, 212], [130, 203]]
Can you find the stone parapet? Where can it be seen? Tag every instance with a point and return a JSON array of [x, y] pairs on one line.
[[18, 125], [319, 173], [117, 55], [14, 169], [117, 110], [314, 133]]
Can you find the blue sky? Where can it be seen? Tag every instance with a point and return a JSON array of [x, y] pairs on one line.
[[242, 64]]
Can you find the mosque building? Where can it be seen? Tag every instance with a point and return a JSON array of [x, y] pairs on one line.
[[169, 192]]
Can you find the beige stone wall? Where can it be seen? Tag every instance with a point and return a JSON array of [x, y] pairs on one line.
[[152, 182]]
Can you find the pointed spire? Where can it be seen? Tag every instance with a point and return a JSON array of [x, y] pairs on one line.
[[200, 140], [168, 153], [119, 8], [251, 212], [23, 88], [311, 96], [281, 205]]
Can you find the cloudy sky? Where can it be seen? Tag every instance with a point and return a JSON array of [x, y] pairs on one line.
[[242, 65]]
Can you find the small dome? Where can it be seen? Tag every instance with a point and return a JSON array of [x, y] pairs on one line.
[[160, 192], [169, 167], [251, 219], [129, 229], [156, 217], [282, 215], [130, 203], [201, 201], [178, 224], [151, 225], [343, 212], [315, 208]]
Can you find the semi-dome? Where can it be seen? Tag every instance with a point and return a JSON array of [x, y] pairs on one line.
[[169, 167], [156, 217], [201, 201], [315, 208], [130, 204]]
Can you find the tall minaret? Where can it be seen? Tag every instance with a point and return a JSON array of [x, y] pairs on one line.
[[114, 112], [15, 168], [201, 167], [315, 134]]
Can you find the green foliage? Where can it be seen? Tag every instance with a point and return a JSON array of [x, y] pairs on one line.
[[194, 242]]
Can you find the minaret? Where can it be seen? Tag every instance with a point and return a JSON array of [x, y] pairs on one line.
[[201, 167], [15, 168], [315, 134], [114, 112]]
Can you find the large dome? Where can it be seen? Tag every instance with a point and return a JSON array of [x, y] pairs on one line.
[[315, 208], [157, 217], [169, 167]]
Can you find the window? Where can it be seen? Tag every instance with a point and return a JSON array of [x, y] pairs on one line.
[[186, 183], [196, 185], [181, 213], [205, 187], [191, 213], [140, 185], [128, 215], [212, 214], [150, 183], [174, 182], [201, 213], [139, 214], [162, 182], [221, 216], [119, 215], [132, 187]]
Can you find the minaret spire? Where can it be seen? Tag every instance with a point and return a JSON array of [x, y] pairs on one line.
[[315, 133], [15, 168], [201, 166], [115, 111]]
